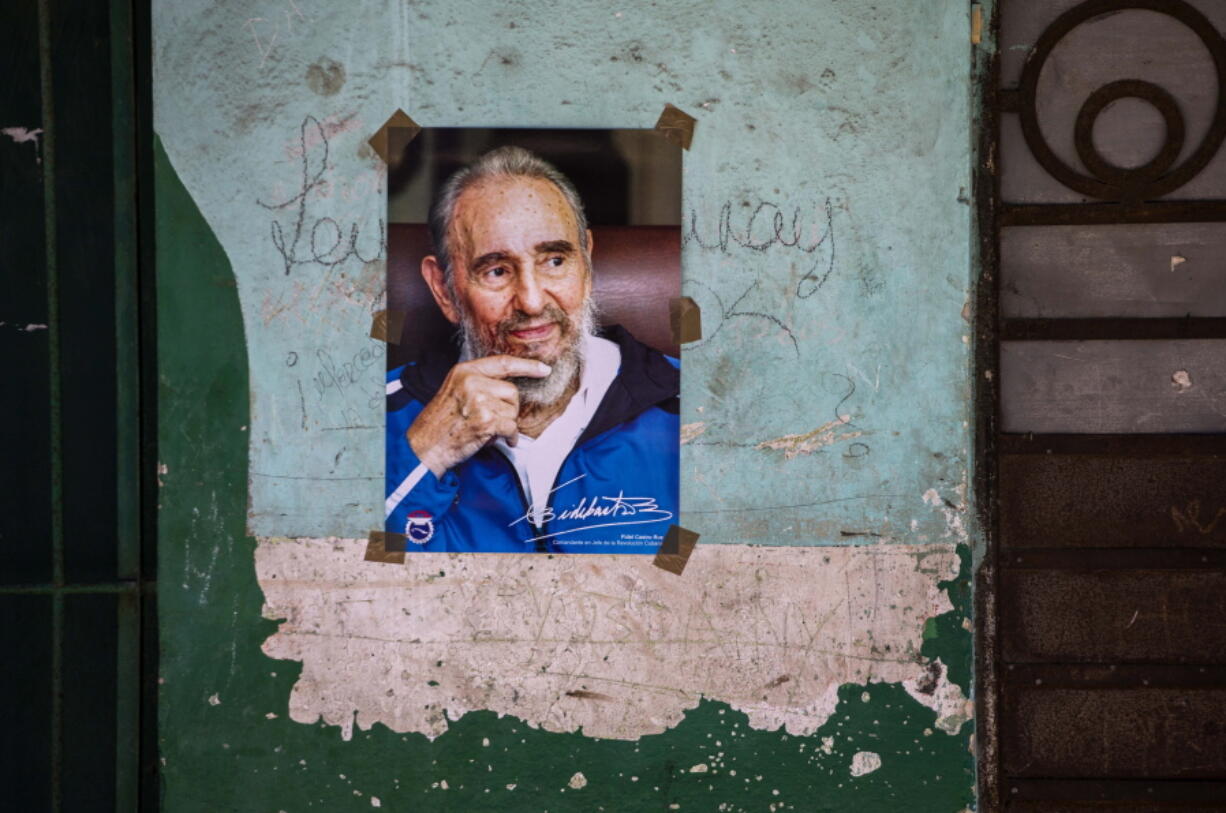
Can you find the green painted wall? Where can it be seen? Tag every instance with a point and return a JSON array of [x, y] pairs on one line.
[[856, 116]]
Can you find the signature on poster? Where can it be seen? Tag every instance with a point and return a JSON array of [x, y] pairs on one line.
[[640, 510]]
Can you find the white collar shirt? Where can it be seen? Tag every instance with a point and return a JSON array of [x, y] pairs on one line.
[[538, 460]]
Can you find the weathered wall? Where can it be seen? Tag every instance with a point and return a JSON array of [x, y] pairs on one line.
[[826, 410]]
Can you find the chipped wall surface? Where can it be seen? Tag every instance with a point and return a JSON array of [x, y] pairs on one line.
[[816, 646], [827, 231], [609, 645]]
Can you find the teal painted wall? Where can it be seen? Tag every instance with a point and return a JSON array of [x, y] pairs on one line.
[[828, 404]]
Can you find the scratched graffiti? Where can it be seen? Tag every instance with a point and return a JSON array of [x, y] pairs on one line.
[[335, 394], [1189, 518], [269, 32]]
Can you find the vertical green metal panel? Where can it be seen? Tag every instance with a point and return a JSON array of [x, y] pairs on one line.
[[127, 289], [128, 405], [89, 684], [55, 413], [69, 232], [84, 211], [25, 480], [25, 745], [127, 700]]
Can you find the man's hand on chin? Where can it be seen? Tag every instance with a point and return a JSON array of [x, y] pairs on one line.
[[475, 404]]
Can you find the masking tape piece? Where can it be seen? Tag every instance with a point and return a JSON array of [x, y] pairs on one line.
[[395, 134], [387, 326], [685, 319], [677, 126], [676, 549], [976, 23], [385, 547]]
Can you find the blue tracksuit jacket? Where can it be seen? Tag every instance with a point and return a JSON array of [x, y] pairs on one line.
[[617, 490]]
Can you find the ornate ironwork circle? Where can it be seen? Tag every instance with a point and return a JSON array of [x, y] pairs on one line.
[[1128, 176], [1118, 183]]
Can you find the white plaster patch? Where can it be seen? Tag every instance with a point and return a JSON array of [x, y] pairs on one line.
[[935, 691], [864, 762], [608, 645]]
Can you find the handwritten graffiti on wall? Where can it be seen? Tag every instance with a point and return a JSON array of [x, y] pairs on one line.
[[322, 239], [767, 227]]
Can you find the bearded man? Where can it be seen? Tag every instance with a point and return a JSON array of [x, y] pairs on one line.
[[544, 434]]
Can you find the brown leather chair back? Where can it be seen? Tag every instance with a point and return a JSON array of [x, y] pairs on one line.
[[637, 271]]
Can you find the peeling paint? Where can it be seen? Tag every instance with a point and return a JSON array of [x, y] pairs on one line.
[[689, 431], [519, 635], [952, 511], [953, 708], [21, 135], [822, 436], [865, 762]]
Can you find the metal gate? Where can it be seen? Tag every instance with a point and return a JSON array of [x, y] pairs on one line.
[[1103, 377]]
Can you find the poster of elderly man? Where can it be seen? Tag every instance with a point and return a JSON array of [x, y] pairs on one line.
[[533, 397]]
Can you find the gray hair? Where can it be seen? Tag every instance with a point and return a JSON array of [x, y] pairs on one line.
[[503, 162]]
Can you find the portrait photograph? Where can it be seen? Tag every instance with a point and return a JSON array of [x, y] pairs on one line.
[[533, 395]]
